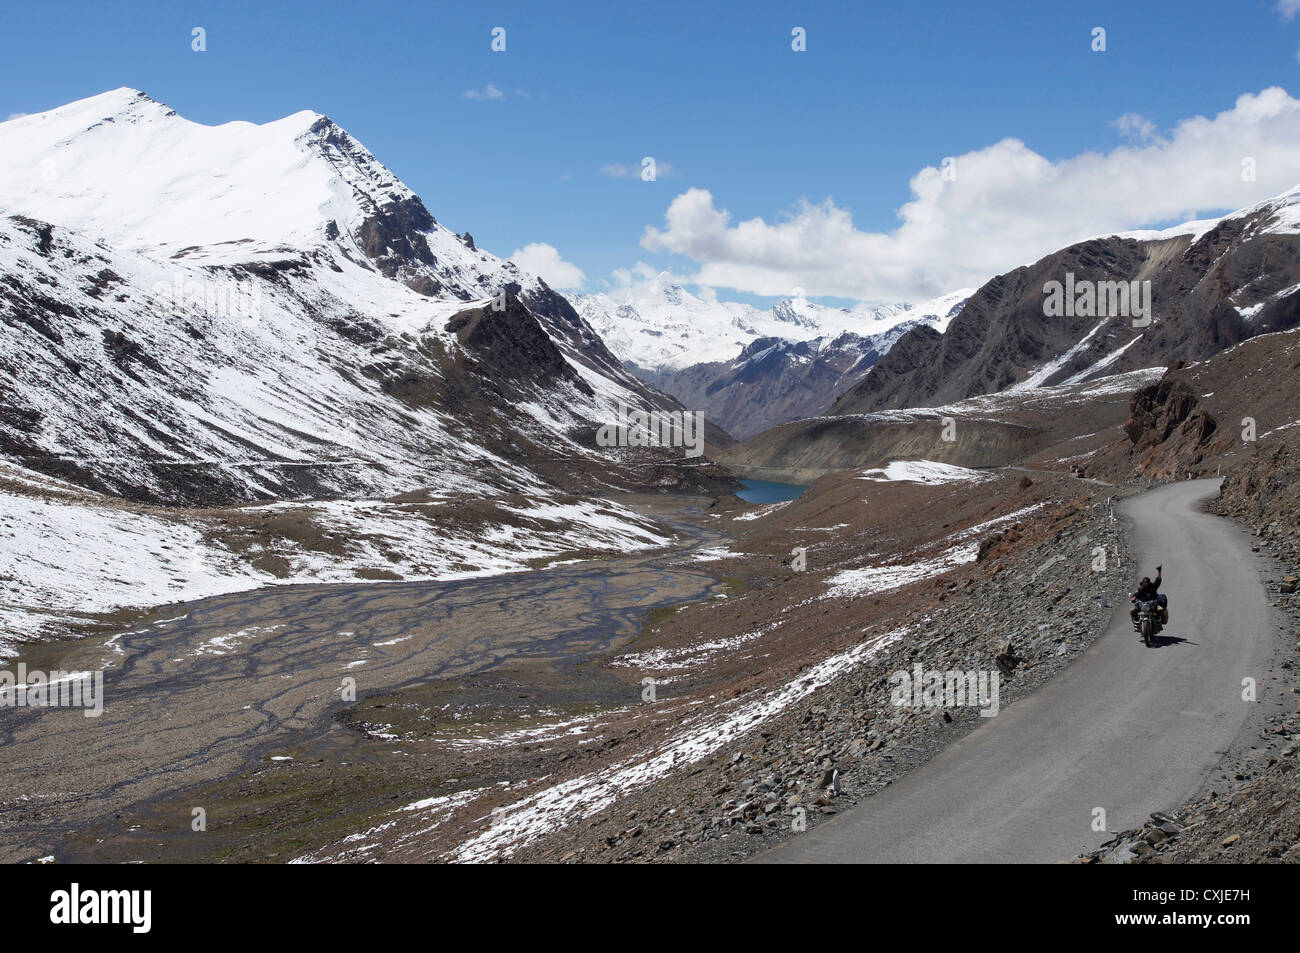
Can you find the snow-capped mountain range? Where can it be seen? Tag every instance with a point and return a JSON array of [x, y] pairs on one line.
[[747, 368], [127, 170], [660, 327], [222, 313]]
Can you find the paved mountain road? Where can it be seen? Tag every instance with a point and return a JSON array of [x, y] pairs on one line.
[[1126, 728]]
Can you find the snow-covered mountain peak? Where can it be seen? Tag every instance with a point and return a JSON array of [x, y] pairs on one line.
[[1281, 214], [797, 311], [669, 290], [130, 170], [123, 104], [125, 170], [240, 311]]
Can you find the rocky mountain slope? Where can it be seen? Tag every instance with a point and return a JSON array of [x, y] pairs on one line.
[[1212, 285], [196, 314]]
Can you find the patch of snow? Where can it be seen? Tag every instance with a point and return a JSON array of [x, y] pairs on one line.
[[713, 554], [765, 510], [1102, 364], [690, 656], [928, 472], [1039, 376], [872, 580]]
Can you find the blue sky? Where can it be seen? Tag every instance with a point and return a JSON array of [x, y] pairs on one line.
[[715, 92]]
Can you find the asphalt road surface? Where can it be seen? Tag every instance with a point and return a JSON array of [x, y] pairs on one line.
[[1125, 728]]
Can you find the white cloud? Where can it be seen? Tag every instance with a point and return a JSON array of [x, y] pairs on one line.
[[487, 92], [543, 259], [16, 116], [1135, 127], [1288, 8], [1006, 206]]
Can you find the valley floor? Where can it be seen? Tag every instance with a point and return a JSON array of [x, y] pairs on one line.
[[526, 693], [199, 692], [687, 704]]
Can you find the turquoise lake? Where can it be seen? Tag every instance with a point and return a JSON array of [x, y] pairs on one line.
[[763, 491]]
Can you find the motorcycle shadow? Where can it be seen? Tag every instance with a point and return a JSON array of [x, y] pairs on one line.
[[1161, 641]]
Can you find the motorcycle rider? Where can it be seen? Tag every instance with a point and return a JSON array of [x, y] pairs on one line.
[[1148, 591]]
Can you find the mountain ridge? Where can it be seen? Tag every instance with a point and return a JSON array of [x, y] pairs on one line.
[[661, 328], [1212, 284], [198, 314]]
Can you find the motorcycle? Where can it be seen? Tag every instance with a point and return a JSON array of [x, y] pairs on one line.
[[1148, 621]]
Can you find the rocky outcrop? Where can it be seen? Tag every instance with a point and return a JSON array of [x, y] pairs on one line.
[[393, 235], [1170, 431], [510, 346]]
